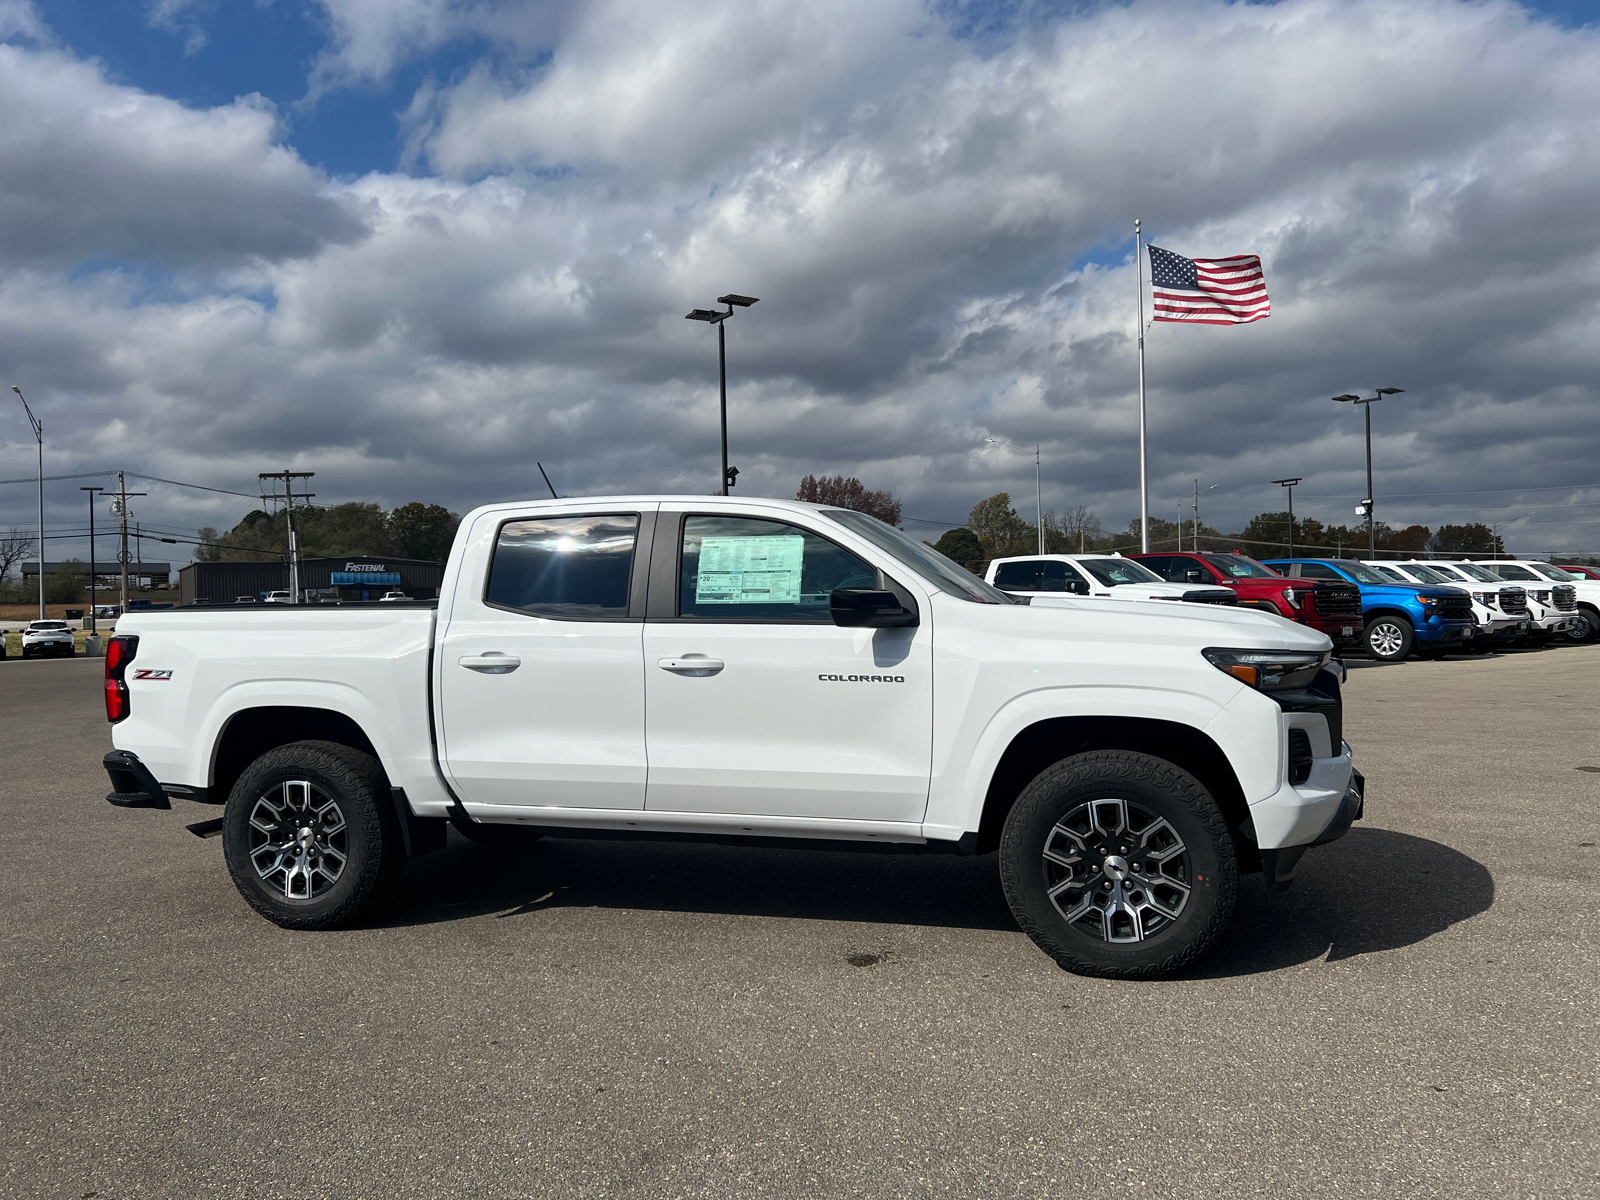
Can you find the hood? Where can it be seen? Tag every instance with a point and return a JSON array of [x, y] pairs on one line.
[[1205, 624]]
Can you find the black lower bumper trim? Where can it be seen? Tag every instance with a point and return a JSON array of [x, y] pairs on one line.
[[1278, 866], [132, 785]]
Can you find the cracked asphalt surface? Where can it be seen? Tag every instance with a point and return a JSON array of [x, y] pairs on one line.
[[1416, 1018]]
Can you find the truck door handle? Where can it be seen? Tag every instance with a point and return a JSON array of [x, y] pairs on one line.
[[695, 666], [491, 663]]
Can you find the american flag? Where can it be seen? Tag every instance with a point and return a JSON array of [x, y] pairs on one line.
[[1208, 291]]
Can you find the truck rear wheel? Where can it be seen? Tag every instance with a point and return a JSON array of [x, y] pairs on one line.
[[1389, 639], [1119, 864], [310, 836]]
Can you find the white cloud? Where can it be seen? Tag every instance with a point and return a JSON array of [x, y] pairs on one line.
[[1418, 177]]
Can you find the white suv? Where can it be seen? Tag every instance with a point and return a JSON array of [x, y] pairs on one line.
[[1574, 601], [47, 637], [1108, 575], [1500, 609]]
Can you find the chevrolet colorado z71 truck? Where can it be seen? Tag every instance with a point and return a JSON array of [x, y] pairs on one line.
[[1332, 608], [746, 670]]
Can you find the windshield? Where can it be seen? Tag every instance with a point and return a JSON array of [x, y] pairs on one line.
[[1473, 571], [1513, 571], [1240, 567], [1360, 572], [1555, 573], [1394, 573], [933, 567], [1428, 574], [1112, 571]]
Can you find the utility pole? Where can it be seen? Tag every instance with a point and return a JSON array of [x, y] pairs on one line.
[[1289, 483], [289, 497], [121, 506], [92, 499]]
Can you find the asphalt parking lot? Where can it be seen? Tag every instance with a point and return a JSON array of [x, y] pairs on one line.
[[1416, 1018]]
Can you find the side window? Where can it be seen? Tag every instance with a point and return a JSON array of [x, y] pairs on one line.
[[1020, 576], [1318, 571], [573, 568], [1053, 576], [745, 569], [1170, 569]]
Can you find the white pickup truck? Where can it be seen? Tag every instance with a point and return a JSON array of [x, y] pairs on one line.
[[747, 669]]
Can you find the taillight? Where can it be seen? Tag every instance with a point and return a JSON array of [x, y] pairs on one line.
[[119, 653]]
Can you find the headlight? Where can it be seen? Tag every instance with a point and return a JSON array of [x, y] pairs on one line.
[[1421, 599], [1292, 596], [1269, 670], [1484, 599]]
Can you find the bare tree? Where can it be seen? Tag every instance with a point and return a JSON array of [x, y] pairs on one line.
[[14, 547]]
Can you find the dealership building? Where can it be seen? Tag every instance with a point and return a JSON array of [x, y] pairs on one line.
[[355, 577]]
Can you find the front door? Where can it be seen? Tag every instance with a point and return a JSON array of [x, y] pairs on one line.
[[756, 703], [541, 671]]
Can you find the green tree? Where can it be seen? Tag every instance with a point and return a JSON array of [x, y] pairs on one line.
[[962, 545], [68, 584], [998, 528], [1163, 535], [1411, 540], [1472, 538], [423, 531]]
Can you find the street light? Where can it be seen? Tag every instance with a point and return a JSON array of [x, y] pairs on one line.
[[1197, 494], [1366, 407], [38, 433], [1038, 489], [711, 315], [1289, 483]]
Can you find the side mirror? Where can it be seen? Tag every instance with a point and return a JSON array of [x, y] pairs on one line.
[[1194, 575], [869, 608], [1078, 587]]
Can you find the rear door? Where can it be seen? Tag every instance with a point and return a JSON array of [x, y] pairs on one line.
[[540, 669], [756, 702]]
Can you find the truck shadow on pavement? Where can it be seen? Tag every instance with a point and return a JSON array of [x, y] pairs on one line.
[[1374, 890]]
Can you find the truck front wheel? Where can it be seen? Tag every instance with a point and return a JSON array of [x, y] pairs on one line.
[[1119, 864], [310, 837], [1585, 628], [1389, 639]]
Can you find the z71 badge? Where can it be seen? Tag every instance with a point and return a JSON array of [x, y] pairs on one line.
[[147, 673]]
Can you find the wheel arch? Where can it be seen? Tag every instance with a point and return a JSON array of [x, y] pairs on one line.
[[251, 732], [1386, 610], [1049, 741]]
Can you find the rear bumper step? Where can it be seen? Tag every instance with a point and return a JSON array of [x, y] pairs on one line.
[[132, 785]]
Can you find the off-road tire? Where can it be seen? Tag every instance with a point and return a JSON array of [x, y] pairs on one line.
[[1157, 787], [501, 839], [1389, 639], [372, 843]]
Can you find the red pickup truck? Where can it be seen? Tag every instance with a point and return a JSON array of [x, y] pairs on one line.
[[1332, 608]]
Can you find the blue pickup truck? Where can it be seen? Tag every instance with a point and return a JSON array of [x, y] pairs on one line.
[[1399, 618]]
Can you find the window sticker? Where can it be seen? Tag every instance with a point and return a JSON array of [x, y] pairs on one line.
[[749, 570]]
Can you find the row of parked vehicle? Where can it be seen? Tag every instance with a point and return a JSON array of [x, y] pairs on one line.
[[1389, 610]]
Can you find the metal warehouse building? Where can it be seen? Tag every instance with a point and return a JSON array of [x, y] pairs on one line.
[[352, 578]]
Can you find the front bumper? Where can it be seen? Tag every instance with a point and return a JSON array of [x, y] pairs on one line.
[[1278, 863], [1445, 632]]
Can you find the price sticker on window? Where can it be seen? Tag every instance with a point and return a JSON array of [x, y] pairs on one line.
[[749, 570]]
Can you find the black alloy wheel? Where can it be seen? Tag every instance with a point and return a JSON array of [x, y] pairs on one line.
[[311, 836], [1119, 864]]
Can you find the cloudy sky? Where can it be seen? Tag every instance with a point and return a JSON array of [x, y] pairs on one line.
[[416, 245]]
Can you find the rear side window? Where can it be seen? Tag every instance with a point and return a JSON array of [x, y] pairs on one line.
[[1512, 571], [1318, 571], [568, 567], [744, 569]]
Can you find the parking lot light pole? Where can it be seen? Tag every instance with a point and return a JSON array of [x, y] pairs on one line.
[[712, 316], [38, 433], [1366, 407], [1289, 483], [92, 499]]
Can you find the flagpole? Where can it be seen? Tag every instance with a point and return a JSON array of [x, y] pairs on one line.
[[1144, 474]]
